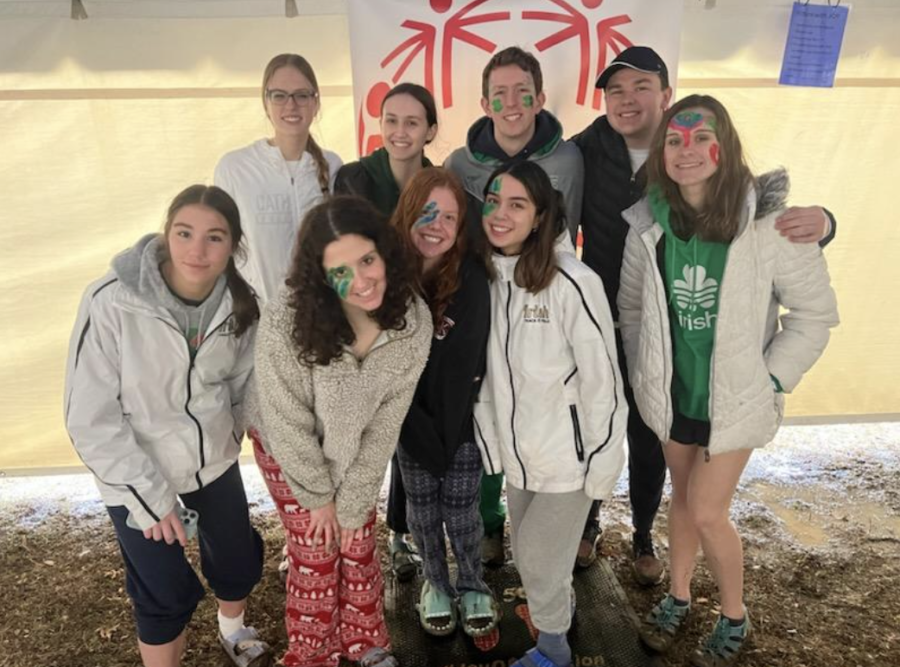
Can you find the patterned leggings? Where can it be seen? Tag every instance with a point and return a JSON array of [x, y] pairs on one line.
[[452, 502], [335, 603]]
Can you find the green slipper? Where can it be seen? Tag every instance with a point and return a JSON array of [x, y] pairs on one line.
[[437, 613], [479, 613]]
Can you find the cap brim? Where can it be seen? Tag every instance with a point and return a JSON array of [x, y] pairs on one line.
[[606, 74]]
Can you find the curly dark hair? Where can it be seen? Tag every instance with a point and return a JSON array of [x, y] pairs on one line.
[[320, 327]]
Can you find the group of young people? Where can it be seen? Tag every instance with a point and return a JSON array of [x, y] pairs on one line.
[[437, 320]]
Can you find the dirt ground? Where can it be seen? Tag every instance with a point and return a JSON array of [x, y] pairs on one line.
[[819, 513]]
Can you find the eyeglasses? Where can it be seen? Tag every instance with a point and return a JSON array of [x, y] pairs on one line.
[[302, 98]]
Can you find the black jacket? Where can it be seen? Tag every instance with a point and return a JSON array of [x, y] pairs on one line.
[[609, 189], [440, 417]]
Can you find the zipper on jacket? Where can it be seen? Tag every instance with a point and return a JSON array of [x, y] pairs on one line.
[[576, 427], [187, 402], [512, 389], [667, 331], [190, 394]]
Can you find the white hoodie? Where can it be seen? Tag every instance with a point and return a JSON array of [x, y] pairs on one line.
[[145, 418], [272, 200], [552, 413]]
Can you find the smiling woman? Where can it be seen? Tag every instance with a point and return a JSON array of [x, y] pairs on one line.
[[275, 181], [158, 362], [437, 455], [408, 124], [337, 361]]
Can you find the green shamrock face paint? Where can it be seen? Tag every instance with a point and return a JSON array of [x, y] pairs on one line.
[[340, 278], [496, 105], [429, 214], [528, 101]]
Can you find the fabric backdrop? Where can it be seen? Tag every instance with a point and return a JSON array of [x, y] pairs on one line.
[[103, 121]]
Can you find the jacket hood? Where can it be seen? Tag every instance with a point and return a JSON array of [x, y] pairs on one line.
[[767, 194], [772, 189], [138, 269], [482, 147]]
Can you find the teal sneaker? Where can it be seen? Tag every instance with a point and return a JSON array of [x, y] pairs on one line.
[[661, 625], [724, 645]]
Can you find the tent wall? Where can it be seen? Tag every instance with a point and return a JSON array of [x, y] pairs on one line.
[[102, 121]]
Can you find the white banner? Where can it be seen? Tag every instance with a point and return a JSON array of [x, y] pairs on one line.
[[445, 44]]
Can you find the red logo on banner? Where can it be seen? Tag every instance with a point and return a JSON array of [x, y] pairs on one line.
[[579, 27], [435, 42]]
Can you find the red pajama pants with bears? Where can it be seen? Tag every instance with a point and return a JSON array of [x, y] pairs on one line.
[[335, 601]]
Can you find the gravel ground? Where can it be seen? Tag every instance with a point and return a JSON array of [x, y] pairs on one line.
[[819, 512]]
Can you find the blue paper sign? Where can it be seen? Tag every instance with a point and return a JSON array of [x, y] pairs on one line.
[[813, 45]]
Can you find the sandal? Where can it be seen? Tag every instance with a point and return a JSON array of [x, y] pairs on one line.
[[437, 613], [587, 548], [662, 624], [246, 649], [537, 658], [378, 657], [479, 613], [724, 645], [404, 559]]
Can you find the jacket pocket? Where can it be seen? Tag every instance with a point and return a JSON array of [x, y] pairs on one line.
[[576, 432], [570, 390]]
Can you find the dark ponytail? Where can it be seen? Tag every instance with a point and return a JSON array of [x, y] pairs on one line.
[[245, 305]]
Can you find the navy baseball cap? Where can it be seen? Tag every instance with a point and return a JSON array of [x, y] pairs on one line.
[[640, 58]]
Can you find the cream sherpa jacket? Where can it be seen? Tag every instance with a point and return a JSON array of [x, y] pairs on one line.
[[334, 428]]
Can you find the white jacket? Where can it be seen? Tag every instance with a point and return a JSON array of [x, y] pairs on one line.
[[764, 270], [272, 201], [551, 413], [145, 419]]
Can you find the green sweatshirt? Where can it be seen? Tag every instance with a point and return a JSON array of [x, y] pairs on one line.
[[692, 271]]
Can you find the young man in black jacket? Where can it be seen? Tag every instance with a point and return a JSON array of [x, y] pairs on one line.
[[615, 147]]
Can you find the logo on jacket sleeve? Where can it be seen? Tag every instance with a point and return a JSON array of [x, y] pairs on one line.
[[536, 314], [442, 329]]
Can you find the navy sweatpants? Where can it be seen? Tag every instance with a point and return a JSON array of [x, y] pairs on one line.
[[162, 584]]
